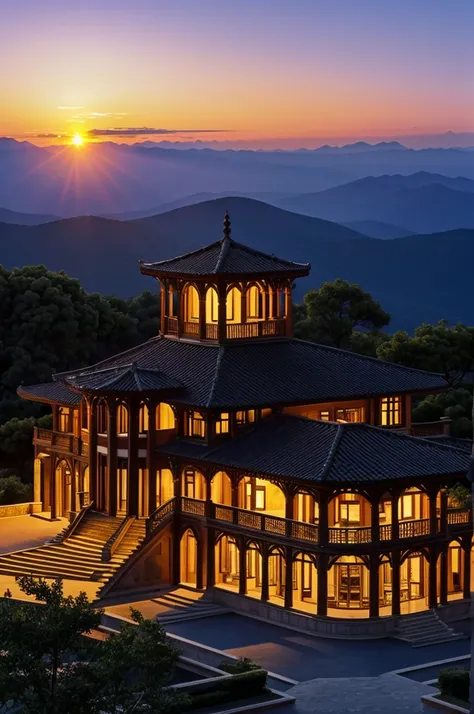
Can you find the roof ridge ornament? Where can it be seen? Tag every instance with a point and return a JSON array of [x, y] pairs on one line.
[[226, 225]]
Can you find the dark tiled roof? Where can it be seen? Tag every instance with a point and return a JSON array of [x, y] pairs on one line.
[[299, 448], [129, 378], [224, 257], [270, 372], [50, 392], [464, 444]]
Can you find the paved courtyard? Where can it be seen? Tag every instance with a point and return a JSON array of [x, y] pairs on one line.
[[21, 532], [304, 657]]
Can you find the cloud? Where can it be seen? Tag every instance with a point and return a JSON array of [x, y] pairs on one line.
[[147, 131], [69, 108]]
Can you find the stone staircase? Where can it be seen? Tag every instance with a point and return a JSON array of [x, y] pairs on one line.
[[425, 628], [181, 604], [79, 557]]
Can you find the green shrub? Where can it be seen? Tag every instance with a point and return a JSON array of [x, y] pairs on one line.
[[13, 490], [230, 689], [243, 664], [455, 682]]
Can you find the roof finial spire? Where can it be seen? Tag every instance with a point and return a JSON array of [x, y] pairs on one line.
[[226, 225]]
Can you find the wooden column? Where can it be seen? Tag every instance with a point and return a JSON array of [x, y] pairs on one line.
[[443, 515], [93, 451], [375, 519], [242, 567], [395, 582], [74, 489], [374, 585], [202, 316], [162, 309], [176, 543], [289, 577], [235, 495], [395, 522], [443, 598], [467, 569], [210, 560], [52, 489], [151, 457], [432, 562], [133, 446], [433, 514], [221, 313], [199, 562], [111, 488], [322, 603], [288, 311], [323, 518], [179, 311], [265, 588], [407, 411], [289, 503]]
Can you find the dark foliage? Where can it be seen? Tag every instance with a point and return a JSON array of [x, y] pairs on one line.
[[455, 682]]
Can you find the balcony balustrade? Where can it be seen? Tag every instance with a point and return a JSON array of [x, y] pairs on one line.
[[299, 530], [60, 441]]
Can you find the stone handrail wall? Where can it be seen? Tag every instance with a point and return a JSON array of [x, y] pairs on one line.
[[20, 509], [116, 538]]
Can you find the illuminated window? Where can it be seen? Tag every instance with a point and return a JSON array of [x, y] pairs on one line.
[[84, 415], [233, 306], [259, 498], [190, 483], [254, 310], [405, 507], [64, 418], [191, 304], [245, 417], [352, 414], [222, 424], [212, 305], [164, 416], [324, 416], [265, 412], [122, 419], [122, 485], [143, 419], [391, 411], [196, 425], [350, 512]]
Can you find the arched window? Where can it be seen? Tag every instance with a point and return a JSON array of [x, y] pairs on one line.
[[191, 304], [254, 303], [165, 418], [233, 306], [122, 419], [212, 305], [143, 419], [64, 420]]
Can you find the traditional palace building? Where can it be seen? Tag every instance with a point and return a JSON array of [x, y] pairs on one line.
[[259, 464]]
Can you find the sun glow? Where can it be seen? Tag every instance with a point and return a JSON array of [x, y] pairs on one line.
[[77, 140]]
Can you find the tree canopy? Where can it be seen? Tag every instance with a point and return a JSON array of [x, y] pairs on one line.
[[48, 666], [334, 313], [436, 348]]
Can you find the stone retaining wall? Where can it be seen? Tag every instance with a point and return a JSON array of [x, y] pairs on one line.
[[20, 509]]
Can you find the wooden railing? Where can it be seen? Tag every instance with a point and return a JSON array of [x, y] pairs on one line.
[[356, 534], [172, 325], [296, 530], [155, 520], [211, 331], [193, 506], [262, 328], [412, 529], [459, 516], [61, 441], [264, 522], [191, 329]]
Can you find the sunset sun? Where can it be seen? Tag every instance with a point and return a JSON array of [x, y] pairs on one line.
[[77, 140]]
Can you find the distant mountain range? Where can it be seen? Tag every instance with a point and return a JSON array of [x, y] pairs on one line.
[[417, 278], [109, 178], [422, 202], [24, 219]]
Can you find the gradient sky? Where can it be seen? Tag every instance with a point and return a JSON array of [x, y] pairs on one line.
[[256, 68]]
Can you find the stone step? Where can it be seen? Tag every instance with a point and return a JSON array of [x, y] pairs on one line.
[[194, 614], [435, 640]]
